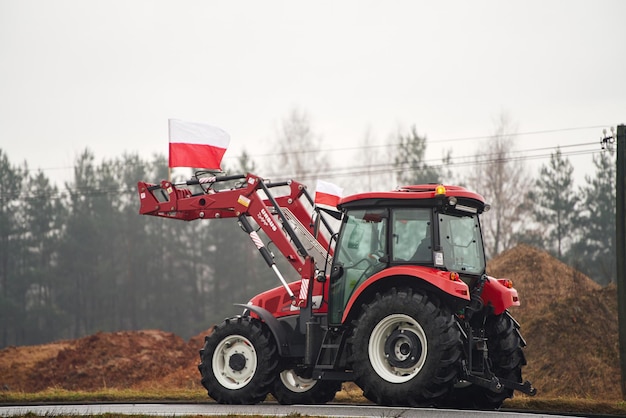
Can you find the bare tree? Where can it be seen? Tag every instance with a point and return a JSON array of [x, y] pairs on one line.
[[300, 152], [367, 160], [371, 166], [504, 182]]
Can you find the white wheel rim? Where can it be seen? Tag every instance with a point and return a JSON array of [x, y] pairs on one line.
[[398, 325], [296, 383], [226, 375]]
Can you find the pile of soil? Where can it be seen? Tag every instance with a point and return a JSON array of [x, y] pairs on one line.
[[127, 359], [569, 322], [539, 278]]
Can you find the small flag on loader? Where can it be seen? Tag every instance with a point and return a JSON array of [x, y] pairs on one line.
[[198, 145], [327, 194]]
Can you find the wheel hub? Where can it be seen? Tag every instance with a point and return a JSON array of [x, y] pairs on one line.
[[237, 362], [403, 349]]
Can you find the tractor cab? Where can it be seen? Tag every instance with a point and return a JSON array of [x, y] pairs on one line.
[[420, 228]]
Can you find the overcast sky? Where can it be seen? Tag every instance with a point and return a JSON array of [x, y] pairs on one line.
[[107, 75]]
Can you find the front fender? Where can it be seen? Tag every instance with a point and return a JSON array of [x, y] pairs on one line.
[[279, 333], [437, 278], [497, 293]]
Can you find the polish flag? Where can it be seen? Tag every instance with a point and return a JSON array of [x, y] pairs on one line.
[[198, 145], [327, 194]]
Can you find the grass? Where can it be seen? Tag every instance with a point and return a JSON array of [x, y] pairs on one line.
[[104, 395], [567, 405], [520, 403]]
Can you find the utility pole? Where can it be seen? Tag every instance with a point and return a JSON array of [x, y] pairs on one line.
[[620, 247]]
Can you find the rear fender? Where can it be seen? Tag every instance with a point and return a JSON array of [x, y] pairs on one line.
[[434, 277], [497, 294]]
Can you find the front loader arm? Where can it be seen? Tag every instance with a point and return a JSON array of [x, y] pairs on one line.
[[169, 200], [279, 217]]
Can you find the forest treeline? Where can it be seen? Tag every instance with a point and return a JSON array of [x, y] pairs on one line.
[[77, 259]]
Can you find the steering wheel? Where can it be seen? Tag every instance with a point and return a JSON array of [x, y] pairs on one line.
[[375, 257]]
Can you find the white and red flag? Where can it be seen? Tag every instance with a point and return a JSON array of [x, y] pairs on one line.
[[194, 144], [327, 194]]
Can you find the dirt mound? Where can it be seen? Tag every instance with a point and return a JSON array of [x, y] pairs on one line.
[[118, 359], [17, 363], [103, 360], [569, 322], [187, 375], [539, 278], [573, 347]]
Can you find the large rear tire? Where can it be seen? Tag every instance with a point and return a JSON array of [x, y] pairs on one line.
[[507, 358], [239, 361], [405, 349], [290, 388]]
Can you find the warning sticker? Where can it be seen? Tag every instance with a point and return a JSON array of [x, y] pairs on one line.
[[243, 201]]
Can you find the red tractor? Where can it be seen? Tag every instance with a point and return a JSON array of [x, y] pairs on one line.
[[397, 301]]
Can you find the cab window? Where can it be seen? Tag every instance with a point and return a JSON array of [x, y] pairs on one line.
[[411, 238]]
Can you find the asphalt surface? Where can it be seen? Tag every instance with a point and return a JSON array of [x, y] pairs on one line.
[[265, 409]]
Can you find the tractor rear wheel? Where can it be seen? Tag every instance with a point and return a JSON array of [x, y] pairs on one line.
[[290, 389], [239, 361], [405, 349], [507, 358]]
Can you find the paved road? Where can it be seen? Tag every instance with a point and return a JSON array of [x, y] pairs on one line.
[[266, 409]]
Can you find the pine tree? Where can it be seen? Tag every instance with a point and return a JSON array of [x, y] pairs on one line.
[[79, 250], [42, 215], [10, 247], [555, 203], [596, 223], [409, 161]]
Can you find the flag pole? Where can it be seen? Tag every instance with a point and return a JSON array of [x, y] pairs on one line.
[[169, 136]]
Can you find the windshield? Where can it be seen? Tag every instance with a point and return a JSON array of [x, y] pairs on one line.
[[461, 243]]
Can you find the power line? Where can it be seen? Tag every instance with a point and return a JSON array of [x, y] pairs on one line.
[[387, 167], [462, 161], [372, 169], [361, 147], [458, 139]]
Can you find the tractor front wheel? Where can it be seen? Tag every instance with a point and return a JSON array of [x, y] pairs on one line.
[[405, 349], [239, 361]]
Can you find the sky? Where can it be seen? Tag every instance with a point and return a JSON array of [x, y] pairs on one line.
[[107, 75]]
